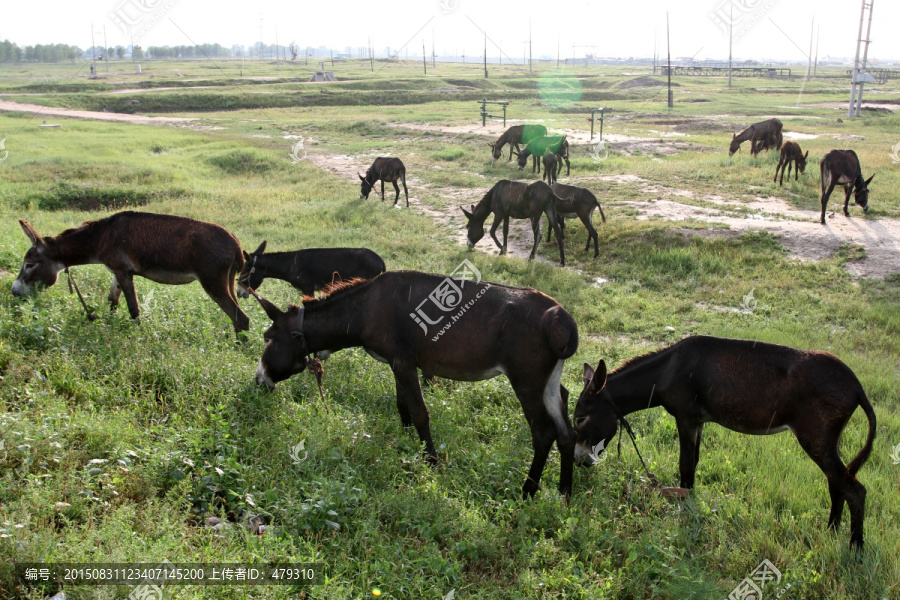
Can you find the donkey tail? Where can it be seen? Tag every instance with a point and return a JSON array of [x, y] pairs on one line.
[[863, 455], [560, 331], [600, 208]]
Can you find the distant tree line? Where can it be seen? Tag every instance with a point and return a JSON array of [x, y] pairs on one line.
[[198, 51], [44, 53]]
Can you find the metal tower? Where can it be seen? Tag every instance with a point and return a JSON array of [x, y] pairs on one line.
[[859, 67]]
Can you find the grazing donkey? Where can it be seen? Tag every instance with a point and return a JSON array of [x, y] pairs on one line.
[[577, 202], [162, 248], [750, 387], [515, 135], [551, 167], [385, 169], [514, 199], [762, 135], [791, 153], [478, 331], [842, 167], [555, 144], [308, 270]]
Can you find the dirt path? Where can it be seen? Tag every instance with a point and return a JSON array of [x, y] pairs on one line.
[[50, 111]]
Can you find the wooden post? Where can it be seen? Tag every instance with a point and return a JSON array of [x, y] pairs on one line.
[[669, 54]]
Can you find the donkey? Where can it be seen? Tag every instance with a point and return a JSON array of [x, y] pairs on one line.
[[551, 168], [515, 135], [750, 387], [555, 144], [767, 132], [791, 153], [842, 166], [385, 169], [577, 202], [162, 248], [475, 331], [517, 200], [308, 270]]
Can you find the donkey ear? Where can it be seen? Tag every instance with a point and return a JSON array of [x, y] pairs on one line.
[[34, 236], [465, 212], [246, 256], [733, 135], [588, 374], [869, 180], [598, 381], [261, 249], [805, 156], [272, 311], [361, 178], [295, 321]]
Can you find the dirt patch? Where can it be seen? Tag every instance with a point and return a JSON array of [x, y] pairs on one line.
[[48, 111], [4, 272], [799, 231], [870, 105]]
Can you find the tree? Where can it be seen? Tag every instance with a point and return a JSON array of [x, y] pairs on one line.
[[120, 51], [295, 50], [137, 53]]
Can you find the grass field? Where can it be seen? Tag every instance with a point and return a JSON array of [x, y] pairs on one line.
[[121, 438]]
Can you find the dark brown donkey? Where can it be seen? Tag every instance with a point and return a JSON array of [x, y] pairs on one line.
[[454, 328], [791, 153], [762, 135], [385, 169], [555, 144], [515, 135], [750, 387], [517, 200], [551, 168], [308, 270], [842, 167], [581, 203], [162, 248]]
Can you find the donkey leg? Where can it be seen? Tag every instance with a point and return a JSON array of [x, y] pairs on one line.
[[405, 190], [218, 291], [115, 291], [397, 189], [778, 168], [126, 282], [409, 394], [494, 226], [592, 235], [382, 190], [825, 196], [848, 189], [688, 436], [542, 435], [551, 214], [505, 233], [536, 229]]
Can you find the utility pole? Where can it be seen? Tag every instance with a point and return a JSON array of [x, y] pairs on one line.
[[277, 63], [93, 54], [262, 44], [424, 62], [372, 55], [106, 49], [132, 45], [557, 51], [859, 69], [669, 54], [816, 61], [812, 29], [529, 45], [433, 59], [730, 39], [485, 55]]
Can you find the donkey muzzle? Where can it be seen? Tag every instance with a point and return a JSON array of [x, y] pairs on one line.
[[19, 288], [241, 291], [262, 378]]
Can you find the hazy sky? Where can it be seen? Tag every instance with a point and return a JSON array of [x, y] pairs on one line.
[[602, 28]]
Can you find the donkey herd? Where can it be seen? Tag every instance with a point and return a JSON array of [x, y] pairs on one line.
[[750, 387]]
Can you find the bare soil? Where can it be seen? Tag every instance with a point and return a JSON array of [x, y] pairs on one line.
[[50, 111]]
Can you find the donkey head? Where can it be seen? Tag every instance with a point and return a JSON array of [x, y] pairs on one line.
[[250, 277], [365, 187], [522, 159], [496, 152], [41, 266], [474, 227], [595, 416], [801, 162], [285, 351], [861, 194], [735, 144]]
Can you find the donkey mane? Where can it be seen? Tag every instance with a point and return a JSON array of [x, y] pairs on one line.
[[87, 226], [641, 357], [334, 289]]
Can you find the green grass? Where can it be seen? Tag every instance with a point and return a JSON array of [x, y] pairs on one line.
[[170, 406]]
